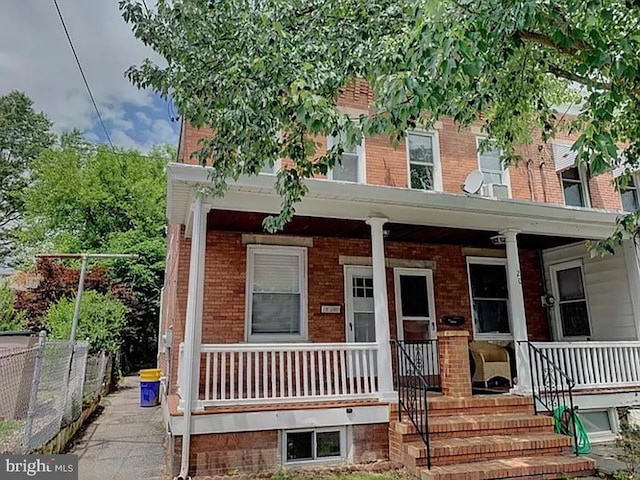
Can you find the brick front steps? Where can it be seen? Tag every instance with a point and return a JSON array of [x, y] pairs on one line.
[[481, 438]]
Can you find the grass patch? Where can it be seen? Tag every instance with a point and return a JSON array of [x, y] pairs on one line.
[[7, 427], [302, 475]]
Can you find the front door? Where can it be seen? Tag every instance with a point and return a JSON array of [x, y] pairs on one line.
[[359, 307], [416, 318], [415, 306]]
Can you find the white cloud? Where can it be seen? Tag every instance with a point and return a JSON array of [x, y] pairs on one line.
[[35, 58]]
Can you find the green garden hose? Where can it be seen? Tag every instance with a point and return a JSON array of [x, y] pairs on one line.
[[564, 426]]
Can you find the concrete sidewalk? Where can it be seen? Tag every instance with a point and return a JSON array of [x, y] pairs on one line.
[[125, 442]]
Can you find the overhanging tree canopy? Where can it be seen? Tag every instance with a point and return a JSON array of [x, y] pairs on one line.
[[265, 74]]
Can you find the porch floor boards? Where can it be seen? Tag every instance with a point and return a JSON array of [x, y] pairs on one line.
[[485, 437], [173, 401]]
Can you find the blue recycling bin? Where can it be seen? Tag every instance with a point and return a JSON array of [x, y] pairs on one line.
[[149, 393]]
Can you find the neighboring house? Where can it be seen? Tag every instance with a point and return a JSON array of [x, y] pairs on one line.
[[280, 344]]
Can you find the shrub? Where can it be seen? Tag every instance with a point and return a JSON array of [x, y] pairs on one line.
[[102, 319], [10, 318]]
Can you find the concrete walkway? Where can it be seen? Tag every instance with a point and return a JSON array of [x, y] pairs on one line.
[[125, 442]]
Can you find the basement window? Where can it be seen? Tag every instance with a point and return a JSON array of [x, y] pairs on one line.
[[319, 445]]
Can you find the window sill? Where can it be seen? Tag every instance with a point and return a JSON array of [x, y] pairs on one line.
[[277, 339], [493, 336], [315, 462]]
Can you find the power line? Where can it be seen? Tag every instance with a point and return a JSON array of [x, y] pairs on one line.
[[84, 77]]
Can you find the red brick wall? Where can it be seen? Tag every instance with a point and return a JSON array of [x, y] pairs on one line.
[[225, 283], [534, 179], [228, 453], [251, 452], [370, 442]]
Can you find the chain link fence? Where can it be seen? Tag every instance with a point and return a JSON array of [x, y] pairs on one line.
[[43, 389]]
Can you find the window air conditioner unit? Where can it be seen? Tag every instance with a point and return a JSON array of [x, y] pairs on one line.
[[495, 190]]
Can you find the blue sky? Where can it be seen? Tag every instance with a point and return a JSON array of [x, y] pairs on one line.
[[35, 58]]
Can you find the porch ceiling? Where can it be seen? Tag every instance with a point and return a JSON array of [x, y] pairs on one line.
[[251, 222]]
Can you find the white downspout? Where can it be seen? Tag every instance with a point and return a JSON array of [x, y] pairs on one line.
[[191, 334]]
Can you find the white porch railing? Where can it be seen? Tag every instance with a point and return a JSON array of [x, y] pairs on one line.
[[258, 373], [594, 365]]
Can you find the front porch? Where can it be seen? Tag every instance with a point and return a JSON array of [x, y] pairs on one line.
[[299, 332]]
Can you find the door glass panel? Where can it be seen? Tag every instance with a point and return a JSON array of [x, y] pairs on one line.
[[575, 319], [415, 329], [570, 284], [413, 295], [364, 327]]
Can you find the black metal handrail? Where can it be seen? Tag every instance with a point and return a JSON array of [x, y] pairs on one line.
[[551, 387], [413, 387]]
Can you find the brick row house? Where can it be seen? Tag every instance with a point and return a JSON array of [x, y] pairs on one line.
[[282, 350]]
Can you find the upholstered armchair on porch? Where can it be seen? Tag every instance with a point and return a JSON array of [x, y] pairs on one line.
[[491, 361]]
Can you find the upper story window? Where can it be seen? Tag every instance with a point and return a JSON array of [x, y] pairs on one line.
[[276, 286], [496, 178], [629, 195], [351, 169], [270, 168], [574, 187], [423, 161]]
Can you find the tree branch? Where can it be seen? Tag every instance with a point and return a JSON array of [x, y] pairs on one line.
[[545, 40], [574, 77]]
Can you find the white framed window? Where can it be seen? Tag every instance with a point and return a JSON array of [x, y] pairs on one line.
[[271, 168], [495, 176], [629, 195], [602, 424], [352, 168], [489, 293], [571, 305], [574, 187], [423, 156], [314, 445], [276, 293]]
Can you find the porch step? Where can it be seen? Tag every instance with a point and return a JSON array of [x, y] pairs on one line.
[[472, 449], [462, 426], [538, 467], [439, 406]]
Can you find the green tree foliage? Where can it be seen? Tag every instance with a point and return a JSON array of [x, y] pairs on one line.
[[10, 318], [264, 75], [102, 320], [24, 133], [86, 198]]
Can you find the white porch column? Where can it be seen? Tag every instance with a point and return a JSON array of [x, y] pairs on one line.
[[195, 292], [518, 317], [381, 306]]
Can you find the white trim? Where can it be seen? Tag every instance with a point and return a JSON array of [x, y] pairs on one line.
[[301, 253], [314, 447], [489, 261], [348, 272], [553, 272], [401, 205], [632, 263], [362, 169], [400, 318], [506, 178], [437, 164], [281, 419]]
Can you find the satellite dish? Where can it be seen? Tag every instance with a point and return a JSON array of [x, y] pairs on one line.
[[473, 182]]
